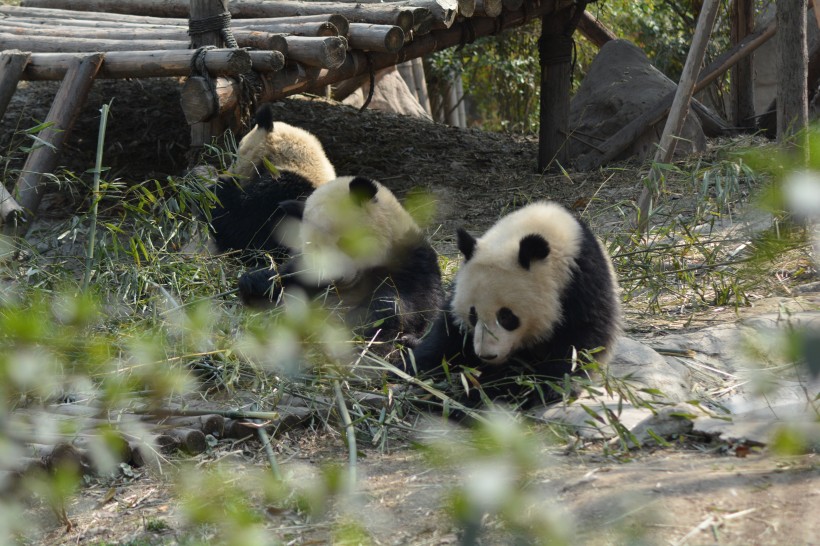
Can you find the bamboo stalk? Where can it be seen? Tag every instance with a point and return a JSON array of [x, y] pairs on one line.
[[350, 433], [96, 196]]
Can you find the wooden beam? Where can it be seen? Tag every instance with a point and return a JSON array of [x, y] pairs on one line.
[[680, 106], [594, 30], [66, 107], [147, 64], [384, 38]]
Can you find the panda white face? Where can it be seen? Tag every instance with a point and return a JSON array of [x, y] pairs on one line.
[[349, 225], [508, 290]]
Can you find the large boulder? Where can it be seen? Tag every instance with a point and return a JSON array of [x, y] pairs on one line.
[[620, 85]]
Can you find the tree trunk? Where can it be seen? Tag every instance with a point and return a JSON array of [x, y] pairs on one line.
[[792, 94], [556, 65], [742, 88]]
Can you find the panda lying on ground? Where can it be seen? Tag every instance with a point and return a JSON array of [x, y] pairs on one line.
[[247, 214], [537, 287], [357, 238]]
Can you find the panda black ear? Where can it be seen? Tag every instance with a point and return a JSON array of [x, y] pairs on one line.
[[293, 208], [363, 190], [466, 243], [264, 118], [532, 247]]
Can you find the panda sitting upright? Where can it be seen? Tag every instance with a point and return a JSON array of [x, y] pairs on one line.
[[247, 214], [536, 289], [356, 238]]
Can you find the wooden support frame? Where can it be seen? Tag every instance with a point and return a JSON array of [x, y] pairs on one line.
[[792, 76], [64, 111], [742, 80]]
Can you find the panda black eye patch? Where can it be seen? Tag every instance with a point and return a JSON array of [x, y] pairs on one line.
[[507, 319], [473, 318]]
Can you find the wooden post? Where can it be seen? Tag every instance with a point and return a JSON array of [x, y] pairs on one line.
[[12, 64], [421, 84], [680, 106], [555, 49], [742, 81], [792, 93], [64, 110], [202, 132]]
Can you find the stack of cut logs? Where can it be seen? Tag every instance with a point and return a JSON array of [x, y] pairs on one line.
[[62, 434]]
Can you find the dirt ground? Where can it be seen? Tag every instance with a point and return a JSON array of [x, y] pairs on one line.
[[692, 493]]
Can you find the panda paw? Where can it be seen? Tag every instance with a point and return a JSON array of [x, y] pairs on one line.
[[259, 288]]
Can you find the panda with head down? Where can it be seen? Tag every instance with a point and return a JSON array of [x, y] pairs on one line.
[[535, 290], [356, 243], [248, 213]]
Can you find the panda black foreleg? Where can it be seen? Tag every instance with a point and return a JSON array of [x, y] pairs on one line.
[[259, 287], [443, 341]]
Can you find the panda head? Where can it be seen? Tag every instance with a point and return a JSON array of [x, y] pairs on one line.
[[508, 290], [287, 147], [349, 225]]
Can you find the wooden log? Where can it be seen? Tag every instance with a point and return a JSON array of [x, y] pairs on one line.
[[327, 52], [64, 110], [466, 8], [50, 10], [290, 80], [556, 67], [680, 107], [42, 23], [9, 208], [742, 78], [188, 439], [792, 76], [384, 38], [622, 139], [54, 44], [267, 61], [282, 24], [197, 100], [381, 14], [155, 8], [287, 81], [208, 424], [12, 65], [297, 29], [261, 40], [488, 8], [148, 64], [442, 13], [594, 30]]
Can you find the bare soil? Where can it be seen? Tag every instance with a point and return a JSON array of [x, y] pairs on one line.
[[691, 493]]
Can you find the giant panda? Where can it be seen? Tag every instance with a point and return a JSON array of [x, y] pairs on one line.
[[358, 240], [247, 212], [537, 288]]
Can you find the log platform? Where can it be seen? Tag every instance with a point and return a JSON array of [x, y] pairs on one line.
[[232, 52]]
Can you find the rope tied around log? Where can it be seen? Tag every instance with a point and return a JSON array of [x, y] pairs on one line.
[[217, 23], [198, 68], [372, 72]]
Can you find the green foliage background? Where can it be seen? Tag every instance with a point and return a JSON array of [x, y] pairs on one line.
[[501, 73]]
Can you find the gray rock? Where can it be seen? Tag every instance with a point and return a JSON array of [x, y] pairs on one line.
[[620, 85], [643, 367]]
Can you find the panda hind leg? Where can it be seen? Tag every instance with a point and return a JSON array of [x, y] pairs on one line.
[[259, 287]]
